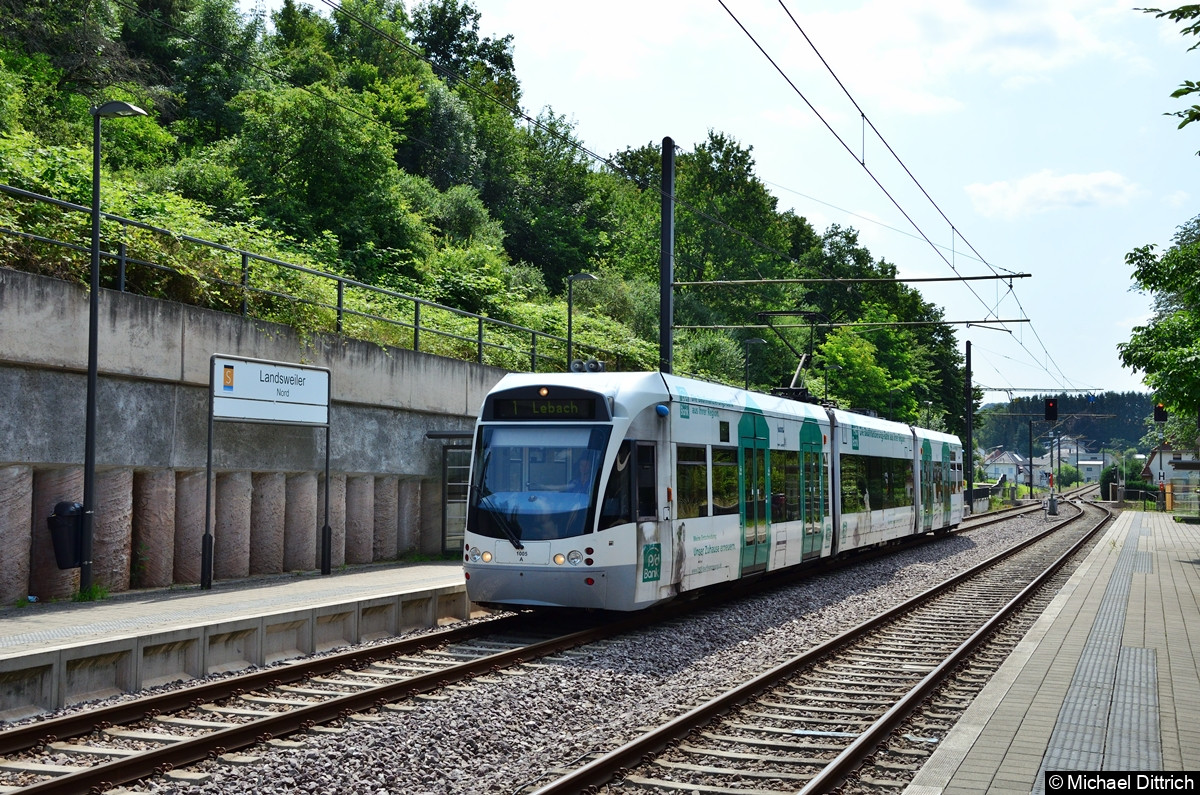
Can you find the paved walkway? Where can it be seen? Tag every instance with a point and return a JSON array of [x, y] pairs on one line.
[[1106, 680]]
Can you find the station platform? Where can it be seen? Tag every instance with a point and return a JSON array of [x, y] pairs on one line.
[[53, 655], [1107, 679]]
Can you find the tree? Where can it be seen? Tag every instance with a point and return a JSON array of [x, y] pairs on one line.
[[552, 215], [1188, 87], [320, 163], [147, 29], [1167, 349], [727, 228], [78, 36], [301, 44], [442, 136], [858, 381], [371, 32], [219, 61], [448, 32]]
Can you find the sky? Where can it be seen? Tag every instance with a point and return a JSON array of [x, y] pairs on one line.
[[1013, 137]]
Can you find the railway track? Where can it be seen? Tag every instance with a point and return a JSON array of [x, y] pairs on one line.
[[98, 749], [159, 734], [1029, 506], [810, 724]]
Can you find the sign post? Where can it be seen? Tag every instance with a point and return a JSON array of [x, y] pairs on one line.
[[262, 391]]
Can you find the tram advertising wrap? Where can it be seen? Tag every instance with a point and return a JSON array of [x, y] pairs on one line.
[[618, 491]]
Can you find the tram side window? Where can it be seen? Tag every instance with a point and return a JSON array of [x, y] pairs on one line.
[[785, 486], [898, 480], [617, 507], [691, 482], [854, 483], [647, 483], [724, 480]]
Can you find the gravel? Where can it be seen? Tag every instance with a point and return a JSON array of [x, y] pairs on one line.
[[497, 737]]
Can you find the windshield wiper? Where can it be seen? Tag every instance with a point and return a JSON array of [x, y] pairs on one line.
[[500, 519], [506, 528]]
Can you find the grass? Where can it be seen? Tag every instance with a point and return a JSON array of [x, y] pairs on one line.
[[93, 593]]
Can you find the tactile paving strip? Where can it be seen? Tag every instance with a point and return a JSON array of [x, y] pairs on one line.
[[1109, 720]]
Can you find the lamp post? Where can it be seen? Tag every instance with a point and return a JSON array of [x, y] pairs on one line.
[[746, 357], [578, 277], [107, 110]]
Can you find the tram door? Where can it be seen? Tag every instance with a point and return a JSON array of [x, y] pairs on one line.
[[947, 480], [753, 442], [812, 489], [926, 486]]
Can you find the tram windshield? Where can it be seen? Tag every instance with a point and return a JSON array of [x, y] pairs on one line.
[[535, 482]]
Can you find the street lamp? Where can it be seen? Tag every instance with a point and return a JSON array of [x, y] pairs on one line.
[[107, 110], [746, 358], [578, 277]]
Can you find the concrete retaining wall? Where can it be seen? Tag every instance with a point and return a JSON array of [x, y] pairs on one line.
[[268, 494]]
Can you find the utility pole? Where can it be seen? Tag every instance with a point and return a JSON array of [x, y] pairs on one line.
[[666, 259], [969, 448]]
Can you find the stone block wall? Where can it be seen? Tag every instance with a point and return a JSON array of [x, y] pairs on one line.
[[149, 526]]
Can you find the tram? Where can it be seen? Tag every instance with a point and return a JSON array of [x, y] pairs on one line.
[[618, 491]]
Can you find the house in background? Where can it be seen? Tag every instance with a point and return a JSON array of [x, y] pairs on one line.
[[1001, 463], [1165, 465], [1071, 451], [1177, 472], [1089, 470]]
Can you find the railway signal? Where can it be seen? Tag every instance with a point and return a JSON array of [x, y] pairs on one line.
[[1051, 409], [1160, 412]]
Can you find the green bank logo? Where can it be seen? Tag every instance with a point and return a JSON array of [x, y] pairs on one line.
[[685, 408], [854, 438], [651, 563]]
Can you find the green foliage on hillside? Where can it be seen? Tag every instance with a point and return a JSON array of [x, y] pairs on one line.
[[380, 143]]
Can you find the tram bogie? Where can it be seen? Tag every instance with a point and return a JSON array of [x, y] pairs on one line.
[[618, 491]]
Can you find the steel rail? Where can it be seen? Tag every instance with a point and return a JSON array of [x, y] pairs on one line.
[[108, 774], [605, 768], [854, 755], [31, 735]]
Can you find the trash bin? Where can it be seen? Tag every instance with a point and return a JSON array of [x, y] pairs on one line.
[[66, 532]]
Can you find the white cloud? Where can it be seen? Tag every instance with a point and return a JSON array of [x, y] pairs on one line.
[[913, 56], [1176, 198], [1046, 191]]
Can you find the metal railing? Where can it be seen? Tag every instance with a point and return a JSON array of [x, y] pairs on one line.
[[442, 330]]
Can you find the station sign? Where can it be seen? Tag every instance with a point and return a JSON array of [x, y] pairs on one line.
[[254, 390]]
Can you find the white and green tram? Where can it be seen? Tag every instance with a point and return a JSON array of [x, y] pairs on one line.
[[618, 491]]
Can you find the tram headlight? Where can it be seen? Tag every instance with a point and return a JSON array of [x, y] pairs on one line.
[[559, 558], [478, 555], [575, 557], [486, 557]]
